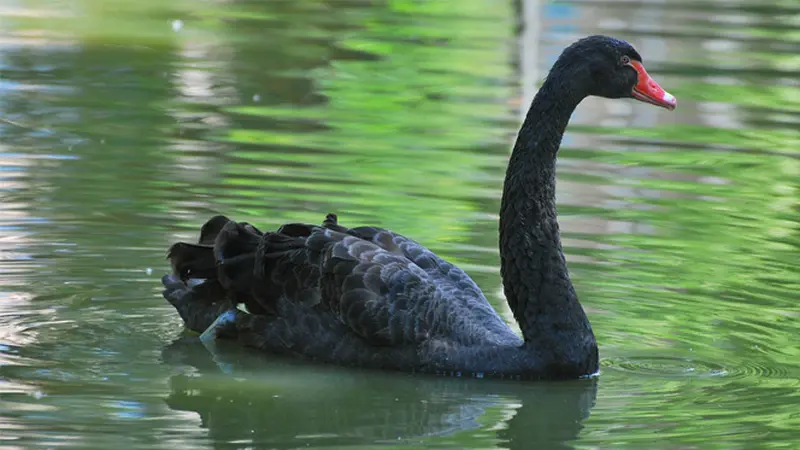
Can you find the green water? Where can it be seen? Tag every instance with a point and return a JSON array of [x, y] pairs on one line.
[[125, 125]]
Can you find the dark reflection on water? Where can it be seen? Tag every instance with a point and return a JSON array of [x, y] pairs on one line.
[[123, 131], [294, 404]]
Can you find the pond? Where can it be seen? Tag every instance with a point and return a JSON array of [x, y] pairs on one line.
[[125, 125]]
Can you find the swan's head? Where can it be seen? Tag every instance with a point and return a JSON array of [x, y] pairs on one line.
[[611, 68]]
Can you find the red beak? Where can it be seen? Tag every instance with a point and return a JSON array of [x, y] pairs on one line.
[[648, 91]]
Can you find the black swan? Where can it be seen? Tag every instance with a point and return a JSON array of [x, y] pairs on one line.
[[368, 297]]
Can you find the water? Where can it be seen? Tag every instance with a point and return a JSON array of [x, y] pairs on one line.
[[125, 125]]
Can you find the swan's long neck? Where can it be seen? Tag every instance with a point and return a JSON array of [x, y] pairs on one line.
[[535, 277]]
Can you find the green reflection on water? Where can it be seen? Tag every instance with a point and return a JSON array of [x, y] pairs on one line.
[[142, 119]]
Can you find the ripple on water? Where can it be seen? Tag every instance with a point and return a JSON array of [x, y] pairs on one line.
[[676, 367], [666, 366]]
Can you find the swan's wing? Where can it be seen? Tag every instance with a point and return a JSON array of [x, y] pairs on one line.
[[443, 272], [382, 296], [433, 265], [386, 288]]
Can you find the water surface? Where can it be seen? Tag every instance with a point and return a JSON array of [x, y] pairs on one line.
[[124, 126]]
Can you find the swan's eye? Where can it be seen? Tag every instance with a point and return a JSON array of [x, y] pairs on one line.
[[625, 60]]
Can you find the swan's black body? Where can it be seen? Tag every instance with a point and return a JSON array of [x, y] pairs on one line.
[[371, 298]]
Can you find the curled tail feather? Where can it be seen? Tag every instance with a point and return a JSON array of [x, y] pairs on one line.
[[225, 254]]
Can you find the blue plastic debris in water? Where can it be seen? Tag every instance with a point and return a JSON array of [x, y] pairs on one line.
[[209, 337], [226, 318]]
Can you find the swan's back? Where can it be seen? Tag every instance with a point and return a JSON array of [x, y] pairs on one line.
[[383, 287]]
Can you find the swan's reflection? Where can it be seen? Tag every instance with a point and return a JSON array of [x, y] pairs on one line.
[[286, 404]]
